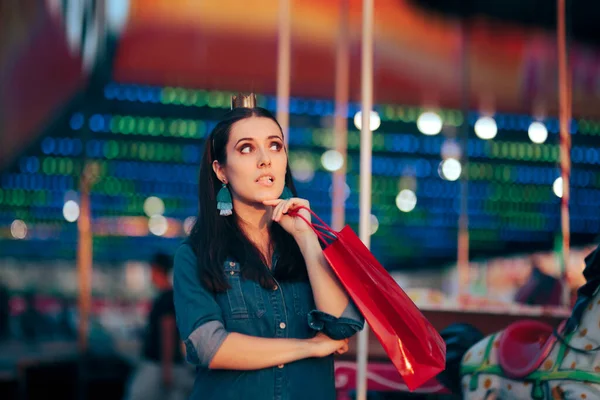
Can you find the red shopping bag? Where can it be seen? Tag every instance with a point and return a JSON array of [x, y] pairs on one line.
[[414, 346]]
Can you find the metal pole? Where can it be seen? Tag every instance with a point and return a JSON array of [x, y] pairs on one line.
[[283, 67], [340, 128], [463, 220], [84, 257], [565, 142], [366, 149]]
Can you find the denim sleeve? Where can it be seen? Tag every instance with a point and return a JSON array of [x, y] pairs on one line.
[[350, 322], [199, 317]]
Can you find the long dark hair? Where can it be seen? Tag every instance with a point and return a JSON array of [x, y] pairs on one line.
[[214, 238]]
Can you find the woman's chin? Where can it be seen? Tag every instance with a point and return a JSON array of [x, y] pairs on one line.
[[267, 194]]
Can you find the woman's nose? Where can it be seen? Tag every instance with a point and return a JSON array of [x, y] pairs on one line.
[[264, 160]]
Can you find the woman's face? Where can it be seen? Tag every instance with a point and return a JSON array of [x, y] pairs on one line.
[[256, 161]]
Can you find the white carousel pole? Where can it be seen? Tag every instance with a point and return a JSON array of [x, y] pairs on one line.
[[340, 128], [565, 143], [283, 67], [365, 176]]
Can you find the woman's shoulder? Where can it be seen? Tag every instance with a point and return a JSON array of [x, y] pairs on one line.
[[185, 255]]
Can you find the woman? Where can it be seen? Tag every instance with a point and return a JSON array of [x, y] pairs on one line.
[[259, 309]]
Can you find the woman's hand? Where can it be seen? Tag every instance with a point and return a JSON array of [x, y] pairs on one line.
[[293, 225], [322, 345]]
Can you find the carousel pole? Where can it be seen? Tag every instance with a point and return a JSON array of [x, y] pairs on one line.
[[366, 144], [283, 67], [565, 142], [340, 127], [463, 220], [84, 256]]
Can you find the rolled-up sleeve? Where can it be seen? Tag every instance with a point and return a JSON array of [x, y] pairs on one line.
[[350, 322], [198, 315]]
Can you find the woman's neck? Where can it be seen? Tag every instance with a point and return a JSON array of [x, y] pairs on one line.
[[255, 222]]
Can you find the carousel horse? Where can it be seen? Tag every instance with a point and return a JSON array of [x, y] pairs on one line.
[[529, 359]]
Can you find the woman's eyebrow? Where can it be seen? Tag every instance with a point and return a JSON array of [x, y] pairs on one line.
[[252, 139], [242, 139]]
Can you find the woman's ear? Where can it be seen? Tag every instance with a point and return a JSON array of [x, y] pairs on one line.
[[218, 170]]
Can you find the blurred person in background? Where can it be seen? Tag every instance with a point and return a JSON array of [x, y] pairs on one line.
[[33, 324], [541, 288], [260, 310], [162, 373]]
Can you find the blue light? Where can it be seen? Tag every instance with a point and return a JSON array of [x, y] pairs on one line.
[[552, 125], [76, 121], [423, 168], [120, 93], [574, 127], [65, 147], [591, 156], [48, 145], [130, 93], [96, 123], [77, 147], [33, 164], [144, 94], [577, 154], [109, 91]]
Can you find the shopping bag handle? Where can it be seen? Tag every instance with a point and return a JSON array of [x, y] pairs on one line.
[[324, 232]]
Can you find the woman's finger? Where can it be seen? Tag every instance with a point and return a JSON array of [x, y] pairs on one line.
[[277, 211], [295, 203]]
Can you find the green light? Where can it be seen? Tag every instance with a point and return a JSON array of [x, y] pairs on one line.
[[522, 147], [111, 149], [177, 154], [412, 114], [215, 99], [142, 126], [18, 197], [182, 129], [167, 95], [173, 127], [159, 153], [143, 151], [130, 125], [389, 113], [554, 153], [115, 124], [513, 151], [152, 127], [378, 142], [151, 148], [353, 140], [192, 98], [458, 117], [160, 126], [180, 96], [39, 197], [192, 129], [123, 149], [504, 150], [168, 152], [494, 147], [202, 98]]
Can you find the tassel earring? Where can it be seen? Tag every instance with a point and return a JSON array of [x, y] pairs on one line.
[[224, 203], [286, 194]]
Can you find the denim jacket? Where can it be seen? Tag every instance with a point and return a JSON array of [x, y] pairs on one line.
[[287, 310]]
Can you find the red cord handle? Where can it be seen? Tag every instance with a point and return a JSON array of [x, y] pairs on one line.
[[324, 232]]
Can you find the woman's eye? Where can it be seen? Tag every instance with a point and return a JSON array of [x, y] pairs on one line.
[[276, 146], [245, 149]]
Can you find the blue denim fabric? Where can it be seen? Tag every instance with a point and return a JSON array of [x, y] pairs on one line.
[[287, 310]]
